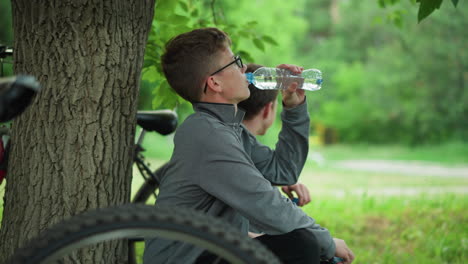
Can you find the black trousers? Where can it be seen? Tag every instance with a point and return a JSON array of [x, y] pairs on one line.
[[296, 247]]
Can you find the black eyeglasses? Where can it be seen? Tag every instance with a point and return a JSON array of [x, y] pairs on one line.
[[237, 61]]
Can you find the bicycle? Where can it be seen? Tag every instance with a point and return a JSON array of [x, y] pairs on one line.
[[17, 93], [163, 122]]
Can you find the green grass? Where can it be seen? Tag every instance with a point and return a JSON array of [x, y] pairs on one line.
[[419, 228], [379, 229], [327, 179], [423, 229]]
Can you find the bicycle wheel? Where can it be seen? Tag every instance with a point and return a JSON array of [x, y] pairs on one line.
[[143, 221]]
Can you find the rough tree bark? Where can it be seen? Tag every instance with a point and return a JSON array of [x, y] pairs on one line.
[[72, 149]]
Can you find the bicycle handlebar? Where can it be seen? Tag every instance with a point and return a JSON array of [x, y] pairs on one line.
[[5, 51]]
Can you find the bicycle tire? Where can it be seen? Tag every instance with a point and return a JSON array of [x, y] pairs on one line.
[[143, 221]]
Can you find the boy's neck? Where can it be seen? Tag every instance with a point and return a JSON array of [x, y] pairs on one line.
[[254, 125]]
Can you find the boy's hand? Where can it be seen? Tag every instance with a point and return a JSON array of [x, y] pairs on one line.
[[254, 235], [343, 251], [292, 96], [301, 191]]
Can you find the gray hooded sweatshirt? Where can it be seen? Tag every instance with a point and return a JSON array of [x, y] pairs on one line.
[[219, 168]]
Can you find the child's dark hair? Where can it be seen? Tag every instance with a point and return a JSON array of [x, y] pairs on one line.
[[189, 59]]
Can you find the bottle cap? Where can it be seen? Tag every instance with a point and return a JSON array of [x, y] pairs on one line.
[[250, 77]]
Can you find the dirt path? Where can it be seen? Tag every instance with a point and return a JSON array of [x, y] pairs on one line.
[[415, 168], [400, 191], [409, 168]]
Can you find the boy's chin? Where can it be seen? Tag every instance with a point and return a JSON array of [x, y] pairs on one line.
[[247, 95]]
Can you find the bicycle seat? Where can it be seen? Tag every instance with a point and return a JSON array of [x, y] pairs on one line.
[[162, 121], [16, 93]]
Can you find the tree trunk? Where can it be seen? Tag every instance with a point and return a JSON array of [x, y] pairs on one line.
[[72, 149]]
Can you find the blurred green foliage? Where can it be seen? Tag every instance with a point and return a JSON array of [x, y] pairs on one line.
[[387, 83], [175, 17], [6, 28], [426, 7], [388, 78], [6, 36]]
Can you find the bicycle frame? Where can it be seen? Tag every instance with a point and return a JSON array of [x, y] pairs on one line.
[[139, 159], [144, 170]]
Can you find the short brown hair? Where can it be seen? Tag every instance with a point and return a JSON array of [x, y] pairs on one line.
[[258, 98], [190, 57]]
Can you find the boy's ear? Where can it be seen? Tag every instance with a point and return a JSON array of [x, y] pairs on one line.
[[266, 110], [213, 84]]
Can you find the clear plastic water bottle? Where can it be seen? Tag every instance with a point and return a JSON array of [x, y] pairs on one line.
[[276, 79]]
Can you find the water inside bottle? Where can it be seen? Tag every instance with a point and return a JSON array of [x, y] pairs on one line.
[[312, 84], [266, 82], [282, 83], [279, 79], [312, 80]]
